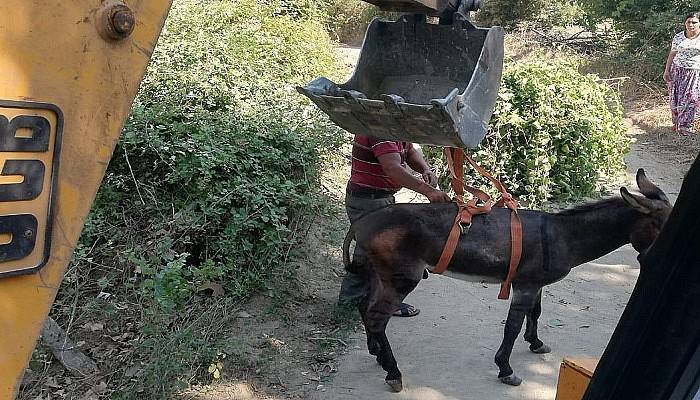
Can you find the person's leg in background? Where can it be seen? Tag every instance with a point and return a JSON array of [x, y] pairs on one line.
[[354, 287]]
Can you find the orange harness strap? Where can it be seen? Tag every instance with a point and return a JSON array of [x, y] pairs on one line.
[[455, 163], [464, 217]]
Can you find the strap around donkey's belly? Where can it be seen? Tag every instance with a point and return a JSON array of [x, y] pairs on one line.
[[465, 211], [463, 219]]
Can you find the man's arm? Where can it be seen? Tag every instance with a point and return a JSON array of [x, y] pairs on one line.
[[415, 160], [391, 164]]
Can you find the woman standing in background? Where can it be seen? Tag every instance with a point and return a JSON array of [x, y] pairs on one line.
[[682, 75]]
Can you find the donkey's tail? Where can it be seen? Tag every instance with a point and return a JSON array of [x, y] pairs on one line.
[[349, 237]]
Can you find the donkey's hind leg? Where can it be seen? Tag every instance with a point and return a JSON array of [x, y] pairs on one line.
[[378, 314], [376, 320], [373, 345], [536, 345]]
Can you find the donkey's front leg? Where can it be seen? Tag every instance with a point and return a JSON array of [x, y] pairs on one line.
[[521, 304], [536, 345]]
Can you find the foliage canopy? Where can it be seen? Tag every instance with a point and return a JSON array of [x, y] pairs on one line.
[[554, 132], [542, 13], [647, 26]]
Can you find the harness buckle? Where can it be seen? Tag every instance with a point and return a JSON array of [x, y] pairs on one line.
[[464, 228]]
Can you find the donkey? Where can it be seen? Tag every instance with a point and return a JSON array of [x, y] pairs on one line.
[[402, 240]]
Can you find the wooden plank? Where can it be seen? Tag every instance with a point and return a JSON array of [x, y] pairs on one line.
[[585, 366], [574, 376]]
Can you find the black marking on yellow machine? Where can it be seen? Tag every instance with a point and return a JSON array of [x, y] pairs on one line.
[[30, 146]]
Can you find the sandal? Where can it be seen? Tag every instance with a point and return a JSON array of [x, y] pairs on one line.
[[406, 310]]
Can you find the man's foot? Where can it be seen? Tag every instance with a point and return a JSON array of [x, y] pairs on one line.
[[406, 310]]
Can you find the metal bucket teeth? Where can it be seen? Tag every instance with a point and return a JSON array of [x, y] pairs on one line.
[[418, 82]]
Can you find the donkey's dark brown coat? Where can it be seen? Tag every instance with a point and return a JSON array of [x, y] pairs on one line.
[[402, 240]]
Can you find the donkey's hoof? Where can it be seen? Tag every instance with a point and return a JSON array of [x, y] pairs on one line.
[[396, 385], [544, 349], [511, 380]]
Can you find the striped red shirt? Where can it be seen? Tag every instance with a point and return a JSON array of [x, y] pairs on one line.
[[366, 171]]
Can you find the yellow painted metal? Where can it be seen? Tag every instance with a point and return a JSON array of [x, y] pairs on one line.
[[52, 52]]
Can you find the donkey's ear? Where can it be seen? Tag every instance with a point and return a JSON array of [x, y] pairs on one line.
[[639, 203], [649, 189]]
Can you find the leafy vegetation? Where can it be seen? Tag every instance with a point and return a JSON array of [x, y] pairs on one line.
[[347, 20], [648, 22], [215, 172], [541, 13], [645, 28], [509, 13], [632, 36], [553, 134], [219, 153]]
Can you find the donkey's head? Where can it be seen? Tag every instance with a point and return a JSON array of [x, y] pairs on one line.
[[655, 208]]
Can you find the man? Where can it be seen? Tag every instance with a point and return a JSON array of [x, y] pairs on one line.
[[379, 170]]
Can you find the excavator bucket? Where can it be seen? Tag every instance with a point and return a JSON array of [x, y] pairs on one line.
[[419, 82]]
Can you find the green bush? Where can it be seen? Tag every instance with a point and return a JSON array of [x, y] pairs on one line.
[[219, 55], [509, 13], [554, 133], [210, 199], [540, 13], [561, 13], [347, 20], [644, 20], [219, 155], [646, 28], [216, 168]]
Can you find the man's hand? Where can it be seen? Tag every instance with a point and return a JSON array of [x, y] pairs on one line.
[[667, 76], [438, 196], [391, 165], [430, 178]]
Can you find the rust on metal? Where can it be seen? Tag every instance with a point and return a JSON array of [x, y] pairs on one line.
[[116, 21]]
